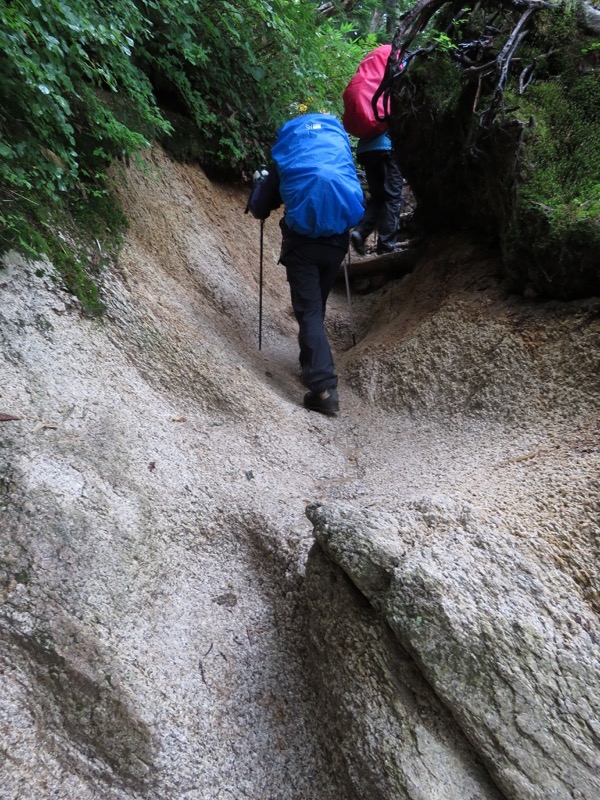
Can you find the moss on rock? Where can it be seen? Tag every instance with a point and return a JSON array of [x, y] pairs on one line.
[[522, 165]]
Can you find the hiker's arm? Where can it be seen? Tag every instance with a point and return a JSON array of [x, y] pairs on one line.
[[265, 196]]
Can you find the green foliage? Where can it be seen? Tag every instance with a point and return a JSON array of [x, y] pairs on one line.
[[563, 157], [57, 134], [85, 83], [54, 59], [368, 18], [562, 167], [506, 143], [259, 62], [443, 42], [557, 209]]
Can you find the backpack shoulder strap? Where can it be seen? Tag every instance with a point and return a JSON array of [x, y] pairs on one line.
[[396, 63]]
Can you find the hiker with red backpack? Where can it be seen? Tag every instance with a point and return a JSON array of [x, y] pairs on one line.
[[384, 180], [313, 176], [375, 154]]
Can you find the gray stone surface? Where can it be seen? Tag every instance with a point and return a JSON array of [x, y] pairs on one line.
[[155, 468], [385, 726], [505, 641]]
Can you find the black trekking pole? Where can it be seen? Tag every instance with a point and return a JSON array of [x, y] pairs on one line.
[[260, 291], [346, 267]]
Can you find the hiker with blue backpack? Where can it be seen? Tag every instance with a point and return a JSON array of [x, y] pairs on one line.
[[314, 177]]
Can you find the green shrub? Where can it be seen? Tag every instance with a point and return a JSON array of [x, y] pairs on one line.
[[84, 83], [554, 239]]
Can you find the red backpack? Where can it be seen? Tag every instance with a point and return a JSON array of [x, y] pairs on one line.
[[359, 119]]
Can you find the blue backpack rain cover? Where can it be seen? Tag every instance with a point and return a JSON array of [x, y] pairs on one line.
[[318, 181]]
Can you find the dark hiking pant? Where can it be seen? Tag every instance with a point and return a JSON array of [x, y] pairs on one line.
[[382, 213], [311, 272]]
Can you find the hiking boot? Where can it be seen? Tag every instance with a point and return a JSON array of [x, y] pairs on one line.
[[357, 242], [327, 401], [383, 250]]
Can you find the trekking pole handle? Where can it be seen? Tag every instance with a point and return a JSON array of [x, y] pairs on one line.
[[260, 174]]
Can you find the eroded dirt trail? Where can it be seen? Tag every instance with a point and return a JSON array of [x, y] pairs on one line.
[[161, 465]]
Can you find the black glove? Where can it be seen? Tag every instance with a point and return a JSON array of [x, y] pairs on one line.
[[258, 177]]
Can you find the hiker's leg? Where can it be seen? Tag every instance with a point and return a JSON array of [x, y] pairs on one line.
[[304, 267], [329, 266], [392, 184], [371, 163]]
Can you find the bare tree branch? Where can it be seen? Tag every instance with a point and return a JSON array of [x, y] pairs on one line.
[[329, 8], [525, 78], [414, 21]]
